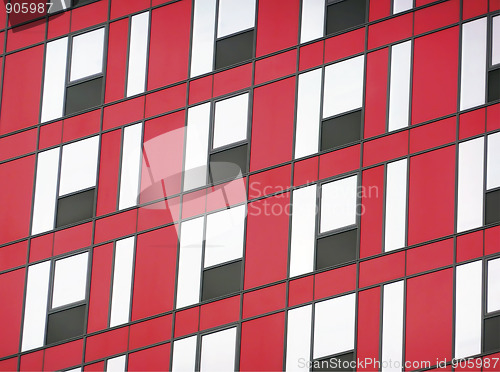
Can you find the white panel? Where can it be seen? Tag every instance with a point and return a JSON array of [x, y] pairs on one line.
[[224, 235], [137, 56], [399, 100], [334, 322], [116, 364], [195, 163], [70, 280], [218, 351], [392, 331], [45, 191], [79, 165], [493, 297], [131, 166], [188, 281], [35, 310], [470, 184], [493, 161], [122, 281], [495, 49], [235, 16], [473, 74], [468, 309], [303, 230], [202, 48], [184, 355], [395, 205], [298, 339], [343, 86], [338, 203], [312, 20], [54, 81], [87, 54], [231, 118], [308, 113], [400, 6]]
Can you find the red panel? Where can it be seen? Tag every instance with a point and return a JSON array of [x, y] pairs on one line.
[[333, 282], [153, 359], [8, 365], [194, 203], [123, 113], [166, 100], [423, 2], [429, 311], [260, 353], [368, 327], [157, 214], [115, 226], [72, 238], [470, 246], [63, 356], [26, 35], [492, 359], [41, 247], [117, 60], [473, 8], [22, 78], [372, 212], [435, 63], [276, 66], [430, 256], [264, 300], [339, 161], [58, 25], [382, 269], [269, 182], [232, 80], [277, 32], [200, 89], [494, 5], [154, 277], [107, 343], [11, 288], [82, 125], [15, 212], [376, 92], [436, 16], [18, 144], [109, 164], [472, 123], [380, 9], [493, 117], [90, 15], [226, 194], [300, 290], [150, 332], [431, 195], [126, 7], [267, 226], [432, 135], [50, 135], [385, 148], [102, 261], [186, 321], [491, 239], [220, 312], [272, 134], [97, 367], [169, 44], [32, 361], [390, 31], [305, 171], [345, 45], [13, 255], [163, 139], [311, 55]]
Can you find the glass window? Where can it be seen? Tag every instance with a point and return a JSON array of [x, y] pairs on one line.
[[218, 351], [130, 166], [87, 54], [137, 55], [70, 280], [221, 280], [184, 354], [344, 14], [392, 324], [66, 324], [338, 203], [298, 341], [84, 95], [235, 16], [336, 249], [231, 118], [234, 49], [395, 205]]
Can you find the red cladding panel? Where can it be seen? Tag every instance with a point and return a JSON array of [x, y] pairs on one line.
[[437, 16], [305, 171], [372, 212], [58, 25], [368, 326], [81, 125], [494, 5], [472, 123], [107, 343], [430, 256], [97, 367], [339, 161], [32, 361], [491, 239], [300, 290], [345, 45], [493, 117], [376, 92], [194, 203], [154, 275], [186, 321], [108, 172], [220, 312], [276, 66], [150, 332], [226, 194], [429, 314], [272, 129], [115, 226], [126, 7], [18, 144], [311, 55], [157, 214], [11, 288], [269, 182], [379, 9], [8, 365], [50, 135], [432, 135], [117, 60], [123, 113], [63, 356], [26, 35], [264, 300], [431, 195], [333, 282], [277, 32], [41, 247], [390, 31], [435, 64], [22, 78], [72, 238], [233, 79], [166, 100], [152, 359], [13, 255], [15, 198], [267, 226], [382, 269], [200, 89], [385, 148], [473, 8], [169, 44], [90, 15], [470, 246], [262, 343]]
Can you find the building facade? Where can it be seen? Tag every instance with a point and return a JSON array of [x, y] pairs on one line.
[[254, 185]]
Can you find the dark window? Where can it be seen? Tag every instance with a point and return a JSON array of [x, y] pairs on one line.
[[221, 280], [494, 85], [76, 207], [65, 324], [84, 95], [491, 340], [344, 14], [228, 164], [336, 363], [336, 249], [341, 130], [234, 49], [492, 206]]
